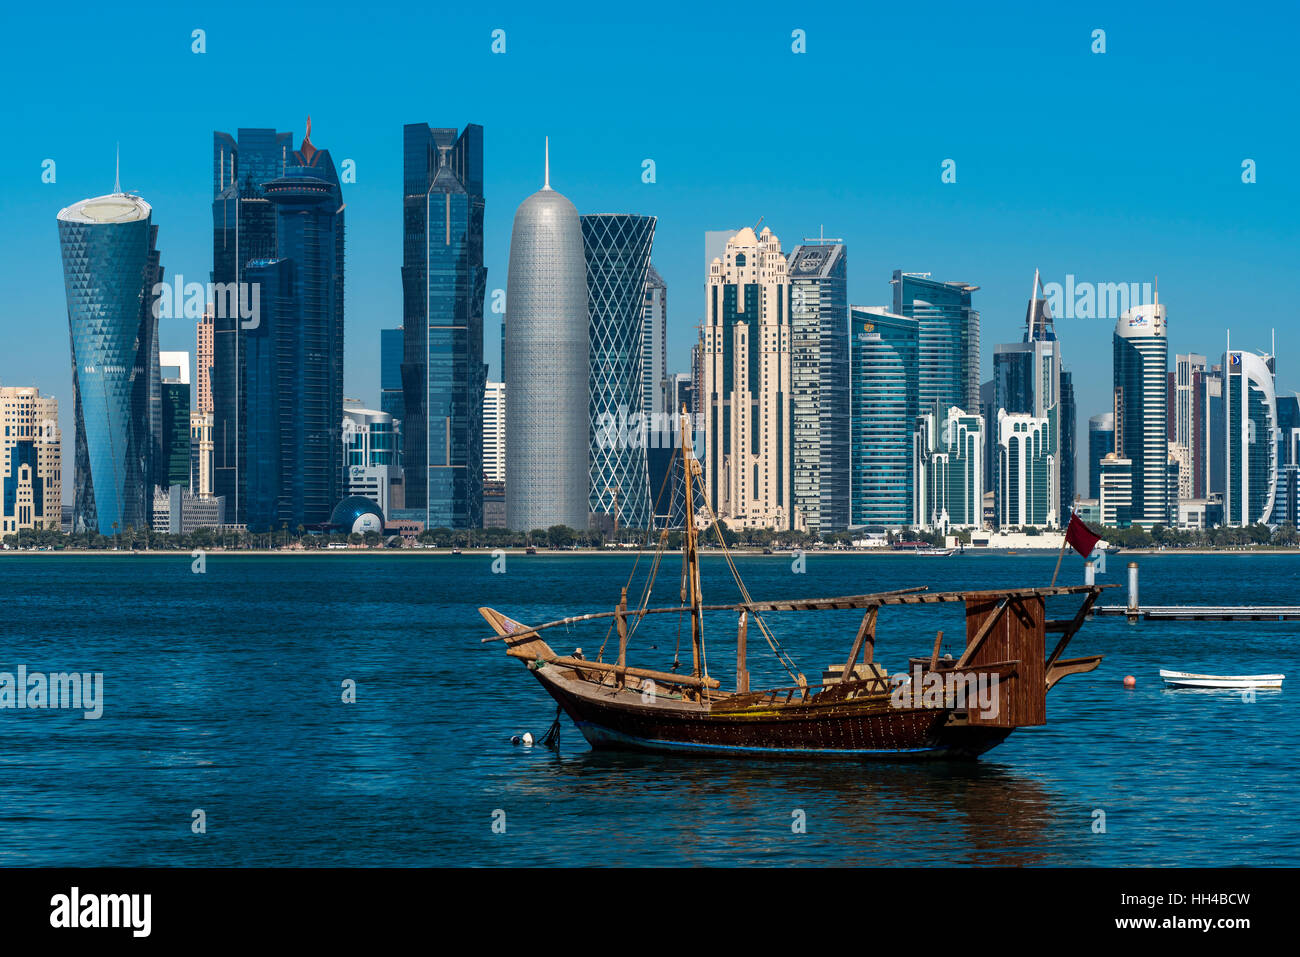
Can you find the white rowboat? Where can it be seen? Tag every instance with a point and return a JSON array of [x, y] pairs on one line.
[[1182, 679]]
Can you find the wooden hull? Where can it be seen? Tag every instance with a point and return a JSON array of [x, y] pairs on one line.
[[863, 729]]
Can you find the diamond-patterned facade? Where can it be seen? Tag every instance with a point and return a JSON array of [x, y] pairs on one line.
[[618, 261]]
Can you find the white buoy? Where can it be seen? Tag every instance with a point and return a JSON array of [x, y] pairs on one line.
[[528, 739]]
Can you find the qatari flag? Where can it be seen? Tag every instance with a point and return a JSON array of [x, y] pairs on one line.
[[1077, 534]]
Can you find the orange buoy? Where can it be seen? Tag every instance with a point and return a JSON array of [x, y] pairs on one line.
[[1130, 681]]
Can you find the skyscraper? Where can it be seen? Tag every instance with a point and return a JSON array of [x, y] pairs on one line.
[[1025, 493], [1069, 435], [1141, 366], [617, 249], [654, 344], [202, 417], [1250, 414], [819, 360], [391, 397], [1183, 432], [31, 460], [1286, 508], [1027, 379], [201, 454], [294, 365], [547, 366], [948, 470], [1212, 429], [1101, 442], [203, 352], [1185, 369], [174, 468], [747, 382], [443, 285], [949, 331], [494, 432], [1116, 490], [110, 267], [679, 391], [989, 409], [243, 230], [883, 389]]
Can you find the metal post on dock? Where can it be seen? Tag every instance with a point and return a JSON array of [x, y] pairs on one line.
[[1132, 610], [1089, 573]]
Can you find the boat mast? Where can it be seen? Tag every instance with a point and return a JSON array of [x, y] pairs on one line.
[[690, 547]]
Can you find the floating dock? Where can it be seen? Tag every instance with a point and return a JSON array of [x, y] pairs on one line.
[[1202, 612]]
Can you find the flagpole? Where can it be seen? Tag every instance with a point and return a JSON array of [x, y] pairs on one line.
[[1061, 553]]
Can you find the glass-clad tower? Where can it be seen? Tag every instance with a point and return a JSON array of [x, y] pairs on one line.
[[443, 285], [819, 360], [617, 248], [174, 464], [883, 379], [110, 268], [390, 373], [1101, 442], [1069, 437], [547, 366], [1141, 370], [949, 332], [302, 379], [243, 230]]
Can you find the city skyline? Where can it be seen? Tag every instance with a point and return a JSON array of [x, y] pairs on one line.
[[1095, 211]]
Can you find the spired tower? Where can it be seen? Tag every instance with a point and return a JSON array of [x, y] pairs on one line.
[[547, 365]]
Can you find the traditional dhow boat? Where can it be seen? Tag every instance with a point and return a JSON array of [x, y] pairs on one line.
[[939, 708]]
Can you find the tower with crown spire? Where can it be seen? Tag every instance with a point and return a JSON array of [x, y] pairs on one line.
[[277, 377]]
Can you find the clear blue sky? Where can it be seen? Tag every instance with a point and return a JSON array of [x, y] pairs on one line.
[[1114, 167]]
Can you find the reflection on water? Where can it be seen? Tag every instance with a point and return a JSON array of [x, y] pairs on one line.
[[871, 814]]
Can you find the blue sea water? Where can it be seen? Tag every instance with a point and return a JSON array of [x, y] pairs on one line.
[[223, 693]]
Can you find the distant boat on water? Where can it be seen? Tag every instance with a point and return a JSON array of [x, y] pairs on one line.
[[1183, 679]]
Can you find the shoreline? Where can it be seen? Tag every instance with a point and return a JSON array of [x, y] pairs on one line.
[[602, 552]]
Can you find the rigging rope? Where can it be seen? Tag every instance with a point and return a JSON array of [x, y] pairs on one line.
[[654, 568], [786, 661]]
